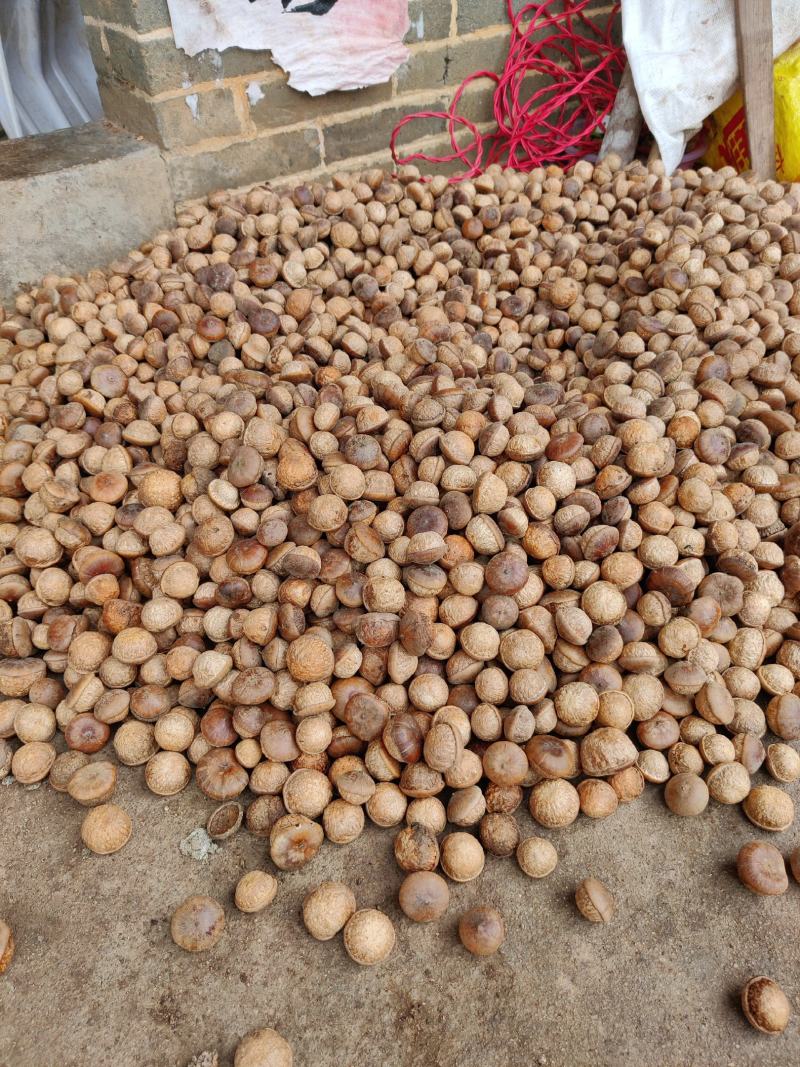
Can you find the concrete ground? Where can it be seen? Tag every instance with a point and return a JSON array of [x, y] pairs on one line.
[[97, 981]]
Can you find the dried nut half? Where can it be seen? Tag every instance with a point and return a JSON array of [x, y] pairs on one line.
[[594, 901], [106, 829]]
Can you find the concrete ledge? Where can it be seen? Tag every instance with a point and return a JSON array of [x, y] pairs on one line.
[[76, 199]]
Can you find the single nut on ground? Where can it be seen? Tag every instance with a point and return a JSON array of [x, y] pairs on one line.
[[254, 891], [537, 857], [369, 937], [594, 901], [686, 794], [424, 896], [106, 829], [343, 822], [327, 909], [769, 808], [167, 773], [482, 930], [32, 761], [197, 924], [598, 799], [263, 1048], [6, 945], [761, 869], [765, 1005]]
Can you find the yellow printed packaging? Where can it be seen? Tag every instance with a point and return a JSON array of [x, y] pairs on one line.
[[726, 126]]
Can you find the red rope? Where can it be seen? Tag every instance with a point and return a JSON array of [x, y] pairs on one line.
[[551, 123]]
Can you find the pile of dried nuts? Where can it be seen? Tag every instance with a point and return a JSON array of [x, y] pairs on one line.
[[393, 500]]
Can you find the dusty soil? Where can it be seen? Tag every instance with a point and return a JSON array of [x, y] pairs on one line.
[[97, 981]]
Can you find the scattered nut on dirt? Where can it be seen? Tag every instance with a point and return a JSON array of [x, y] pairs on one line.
[[197, 924], [327, 909], [482, 930], [424, 896], [537, 857], [254, 891], [765, 1005], [762, 869], [263, 1048], [594, 901], [369, 937], [106, 829], [224, 821]]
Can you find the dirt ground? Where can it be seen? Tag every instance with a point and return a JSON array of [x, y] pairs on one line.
[[97, 981]]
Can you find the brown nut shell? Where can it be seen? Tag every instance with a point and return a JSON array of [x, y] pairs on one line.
[[537, 857], [686, 794], [197, 924], [765, 1005], [254, 891], [482, 930], [594, 901], [761, 869], [94, 783], [424, 896], [294, 840], [224, 821]]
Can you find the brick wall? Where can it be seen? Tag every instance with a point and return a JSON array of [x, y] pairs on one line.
[[229, 119]]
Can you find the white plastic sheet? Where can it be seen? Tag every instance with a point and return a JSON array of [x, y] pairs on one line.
[[684, 61], [47, 81], [322, 44]]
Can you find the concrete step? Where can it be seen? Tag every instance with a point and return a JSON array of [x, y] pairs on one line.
[[76, 199]]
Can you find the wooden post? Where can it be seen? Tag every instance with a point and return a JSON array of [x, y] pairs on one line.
[[754, 38], [625, 121]]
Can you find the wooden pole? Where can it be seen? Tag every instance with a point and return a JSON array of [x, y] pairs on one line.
[[754, 38], [625, 121]]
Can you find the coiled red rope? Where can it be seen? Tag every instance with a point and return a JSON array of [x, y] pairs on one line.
[[551, 123]]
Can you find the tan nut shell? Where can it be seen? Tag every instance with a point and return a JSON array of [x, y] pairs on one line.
[[263, 1048], [327, 909], [369, 937], [606, 750], [254, 891], [106, 829], [94, 783], [769, 808], [765, 1005]]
